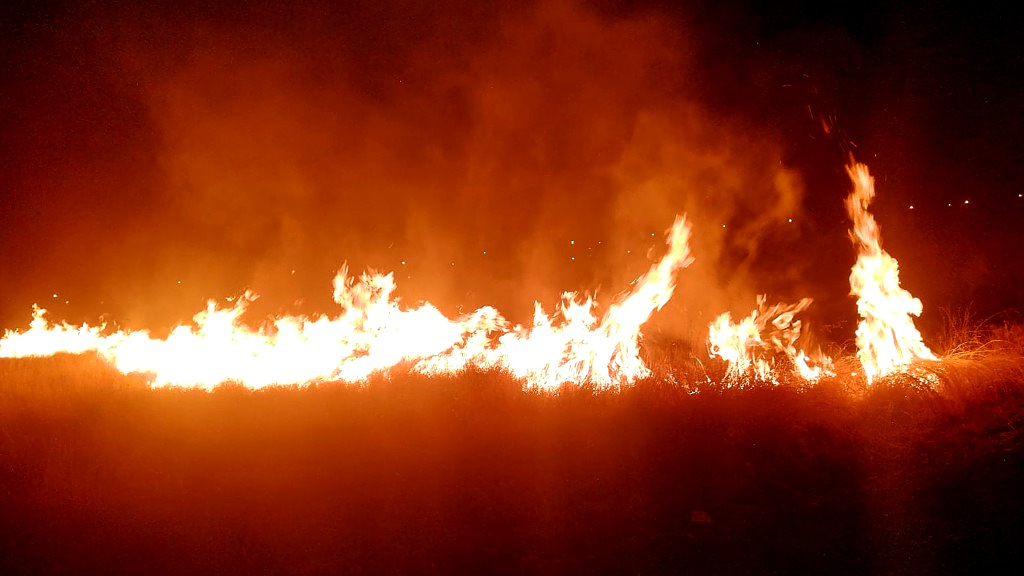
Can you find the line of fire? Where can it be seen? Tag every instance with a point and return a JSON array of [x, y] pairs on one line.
[[581, 343]]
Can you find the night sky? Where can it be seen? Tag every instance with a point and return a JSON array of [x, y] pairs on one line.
[[154, 157]]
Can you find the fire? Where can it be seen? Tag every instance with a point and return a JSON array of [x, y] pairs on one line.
[[582, 348], [762, 346], [887, 340], [374, 333]]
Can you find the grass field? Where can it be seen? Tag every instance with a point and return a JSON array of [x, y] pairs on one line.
[[471, 475]]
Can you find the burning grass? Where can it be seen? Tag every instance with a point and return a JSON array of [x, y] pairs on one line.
[[375, 333], [681, 472]]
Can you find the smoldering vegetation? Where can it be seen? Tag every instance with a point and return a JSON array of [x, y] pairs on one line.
[[472, 474]]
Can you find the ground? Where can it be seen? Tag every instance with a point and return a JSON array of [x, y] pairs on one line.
[[101, 475]]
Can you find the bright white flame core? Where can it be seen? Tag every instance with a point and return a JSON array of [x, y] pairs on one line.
[[374, 333], [762, 346], [887, 340]]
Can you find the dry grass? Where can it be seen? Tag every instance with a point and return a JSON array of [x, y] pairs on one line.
[[407, 474]]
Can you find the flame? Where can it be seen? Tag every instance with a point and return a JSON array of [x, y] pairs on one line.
[[762, 346], [581, 348], [374, 333], [887, 340]]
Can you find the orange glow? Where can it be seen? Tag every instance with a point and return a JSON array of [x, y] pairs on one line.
[[374, 333], [887, 340]]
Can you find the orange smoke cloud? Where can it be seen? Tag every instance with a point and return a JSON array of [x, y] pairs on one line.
[[486, 154], [486, 158]]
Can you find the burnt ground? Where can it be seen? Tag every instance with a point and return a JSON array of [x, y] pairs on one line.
[[99, 475]]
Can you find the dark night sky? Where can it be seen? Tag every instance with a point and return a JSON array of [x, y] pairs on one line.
[[155, 157]]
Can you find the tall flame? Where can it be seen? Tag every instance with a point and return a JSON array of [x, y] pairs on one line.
[[374, 333], [887, 340]]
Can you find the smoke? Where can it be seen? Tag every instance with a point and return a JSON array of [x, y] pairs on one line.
[[741, 200], [486, 154]]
